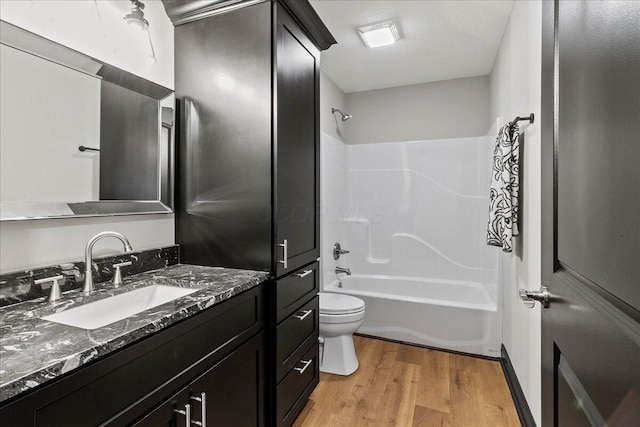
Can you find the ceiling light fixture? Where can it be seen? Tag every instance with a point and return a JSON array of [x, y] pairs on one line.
[[380, 34]]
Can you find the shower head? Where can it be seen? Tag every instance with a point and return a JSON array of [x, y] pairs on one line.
[[345, 116]]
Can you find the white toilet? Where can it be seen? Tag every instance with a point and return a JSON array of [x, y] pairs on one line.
[[340, 316]]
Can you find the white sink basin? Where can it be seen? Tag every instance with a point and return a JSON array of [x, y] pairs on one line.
[[101, 313]]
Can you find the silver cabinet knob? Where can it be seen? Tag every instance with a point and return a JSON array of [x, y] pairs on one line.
[[529, 298]]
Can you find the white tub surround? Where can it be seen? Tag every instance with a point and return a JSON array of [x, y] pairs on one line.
[[414, 218], [333, 202]]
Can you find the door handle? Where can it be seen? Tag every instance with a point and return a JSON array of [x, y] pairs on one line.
[[529, 298], [285, 248]]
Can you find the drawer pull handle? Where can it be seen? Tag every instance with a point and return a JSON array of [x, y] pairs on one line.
[[285, 260], [203, 405], [304, 316], [186, 413], [304, 368], [305, 273]]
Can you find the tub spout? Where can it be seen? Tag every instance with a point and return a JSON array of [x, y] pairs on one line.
[[343, 270]]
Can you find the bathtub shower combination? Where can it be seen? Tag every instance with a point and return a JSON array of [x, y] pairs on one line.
[[414, 217]]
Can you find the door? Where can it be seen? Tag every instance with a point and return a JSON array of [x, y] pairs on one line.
[[591, 213], [296, 146]]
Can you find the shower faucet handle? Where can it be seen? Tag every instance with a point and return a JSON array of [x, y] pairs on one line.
[[337, 251]]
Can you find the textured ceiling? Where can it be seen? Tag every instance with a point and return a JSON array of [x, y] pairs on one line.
[[440, 40]]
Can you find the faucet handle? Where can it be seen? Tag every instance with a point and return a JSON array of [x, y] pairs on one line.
[[55, 294], [117, 275], [337, 251]]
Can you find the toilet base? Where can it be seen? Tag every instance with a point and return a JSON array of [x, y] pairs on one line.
[[339, 355]]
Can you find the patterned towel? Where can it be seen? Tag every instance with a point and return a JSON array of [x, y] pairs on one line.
[[505, 186]]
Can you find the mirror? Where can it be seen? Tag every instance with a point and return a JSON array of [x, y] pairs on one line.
[[79, 137]]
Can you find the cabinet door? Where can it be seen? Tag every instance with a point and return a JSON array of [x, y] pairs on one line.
[[223, 183], [232, 393], [296, 146]]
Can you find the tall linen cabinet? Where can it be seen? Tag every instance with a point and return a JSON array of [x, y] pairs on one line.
[[247, 196]]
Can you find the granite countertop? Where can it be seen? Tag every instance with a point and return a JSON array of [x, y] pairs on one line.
[[33, 351]]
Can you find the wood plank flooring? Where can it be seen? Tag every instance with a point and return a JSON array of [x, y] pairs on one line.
[[402, 385]]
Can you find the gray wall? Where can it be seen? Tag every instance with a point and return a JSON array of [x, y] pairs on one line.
[[31, 243], [331, 96], [447, 109], [515, 91]]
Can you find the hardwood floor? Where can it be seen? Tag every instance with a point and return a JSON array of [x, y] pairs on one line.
[[402, 385]]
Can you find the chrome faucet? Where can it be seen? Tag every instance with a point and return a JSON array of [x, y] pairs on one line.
[[88, 256], [343, 270]]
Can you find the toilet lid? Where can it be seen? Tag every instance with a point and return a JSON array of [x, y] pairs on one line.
[[339, 304]]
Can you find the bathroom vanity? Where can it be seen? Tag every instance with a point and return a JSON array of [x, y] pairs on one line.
[[201, 356], [232, 347]]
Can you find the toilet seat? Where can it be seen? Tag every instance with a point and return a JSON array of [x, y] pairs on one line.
[[339, 304], [342, 318]]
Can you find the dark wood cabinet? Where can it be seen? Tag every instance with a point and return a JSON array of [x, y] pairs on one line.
[[295, 289], [247, 87], [297, 332], [296, 147], [296, 317], [248, 193], [296, 387], [231, 393], [160, 373], [234, 390]]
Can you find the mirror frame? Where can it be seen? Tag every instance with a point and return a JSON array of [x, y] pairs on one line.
[[34, 44]]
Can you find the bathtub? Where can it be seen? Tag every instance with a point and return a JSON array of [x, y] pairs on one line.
[[452, 315]]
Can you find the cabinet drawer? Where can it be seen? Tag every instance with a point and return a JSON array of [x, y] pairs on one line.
[[294, 390], [296, 289], [294, 336]]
